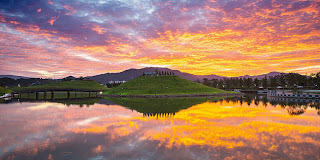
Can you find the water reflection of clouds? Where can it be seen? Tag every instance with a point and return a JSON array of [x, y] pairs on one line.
[[87, 121], [22, 127], [203, 131], [46, 105], [213, 124], [267, 136]]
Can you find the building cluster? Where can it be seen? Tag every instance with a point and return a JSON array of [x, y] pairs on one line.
[[112, 82]]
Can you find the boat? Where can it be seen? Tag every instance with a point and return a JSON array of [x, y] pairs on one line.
[[7, 95]]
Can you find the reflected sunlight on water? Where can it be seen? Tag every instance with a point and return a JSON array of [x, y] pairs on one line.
[[208, 130]]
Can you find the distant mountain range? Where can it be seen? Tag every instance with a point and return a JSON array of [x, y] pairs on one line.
[[271, 74], [133, 73], [13, 77]]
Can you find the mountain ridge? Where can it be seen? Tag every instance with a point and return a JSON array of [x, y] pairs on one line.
[[132, 73], [14, 77]]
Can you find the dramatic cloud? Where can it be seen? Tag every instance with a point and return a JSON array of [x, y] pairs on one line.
[[56, 38]]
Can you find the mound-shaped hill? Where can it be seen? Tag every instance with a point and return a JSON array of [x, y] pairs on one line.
[[162, 85]]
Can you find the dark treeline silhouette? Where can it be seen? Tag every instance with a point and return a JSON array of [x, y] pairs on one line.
[[289, 80], [71, 78], [24, 82], [111, 85]]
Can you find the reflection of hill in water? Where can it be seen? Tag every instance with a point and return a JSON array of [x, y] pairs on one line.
[[80, 102], [159, 107]]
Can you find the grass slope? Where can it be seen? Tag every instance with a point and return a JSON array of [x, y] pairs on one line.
[[162, 85], [4, 91], [81, 85]]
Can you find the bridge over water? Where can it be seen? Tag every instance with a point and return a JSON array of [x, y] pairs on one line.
[[50, 94]]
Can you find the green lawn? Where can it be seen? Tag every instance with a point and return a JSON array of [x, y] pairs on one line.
[[87, 85], [162, 85], [4, 91]]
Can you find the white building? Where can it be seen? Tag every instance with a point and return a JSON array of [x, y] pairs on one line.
[[111, 82]]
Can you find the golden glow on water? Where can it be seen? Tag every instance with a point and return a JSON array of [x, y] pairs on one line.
[[236, 129], [222, 124], [217, 124]]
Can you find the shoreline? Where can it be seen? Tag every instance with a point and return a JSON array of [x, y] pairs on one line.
[[169, 95]]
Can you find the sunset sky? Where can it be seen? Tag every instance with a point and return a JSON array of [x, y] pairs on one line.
[[58, 38]]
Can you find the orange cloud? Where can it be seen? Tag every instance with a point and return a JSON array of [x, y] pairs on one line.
[[53, 19], [70, 9], [14, 22], [2, 19], [98, 29], [233, 39], [49, 2]]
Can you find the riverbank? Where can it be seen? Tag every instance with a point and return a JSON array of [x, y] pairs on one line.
[[4, 91]]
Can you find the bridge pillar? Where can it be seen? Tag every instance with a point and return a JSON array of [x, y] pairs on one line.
[[68, 94], [45, 95], [37, 95], [89, 94], [75, 94], [52, 95]]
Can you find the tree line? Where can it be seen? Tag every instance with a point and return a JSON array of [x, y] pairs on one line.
[[284, 80], [9, 82]]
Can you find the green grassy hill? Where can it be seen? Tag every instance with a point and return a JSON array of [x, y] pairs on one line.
[[4, 91], [162, 85], [81, 85]]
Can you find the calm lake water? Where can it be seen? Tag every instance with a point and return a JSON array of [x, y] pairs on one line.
[[249, 127]]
